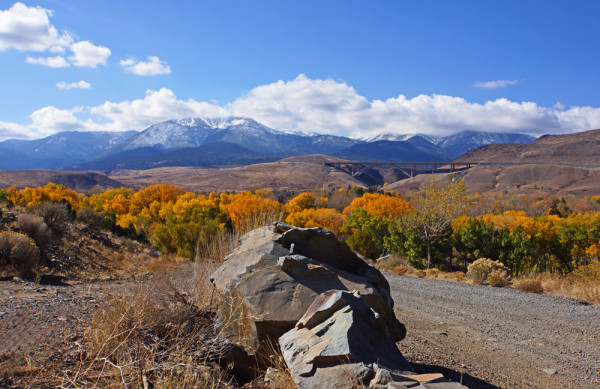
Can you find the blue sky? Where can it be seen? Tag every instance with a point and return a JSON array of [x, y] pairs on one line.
[[347, 67]]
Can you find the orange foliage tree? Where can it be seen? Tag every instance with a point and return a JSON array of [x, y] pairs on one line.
[[248, 211], [318, 217], [51, 192], [380, 206]]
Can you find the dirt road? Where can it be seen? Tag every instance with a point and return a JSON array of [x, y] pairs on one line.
[[496, 337]]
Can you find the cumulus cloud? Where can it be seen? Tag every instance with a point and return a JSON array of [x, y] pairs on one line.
[[78, 85], [326, 106], [86, 53], [14, 130], [154, 66], [494, 84], [28, 29], [51, 62], [156, 106]]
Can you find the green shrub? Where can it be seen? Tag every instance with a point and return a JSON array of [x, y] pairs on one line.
[[480, 270], [18, 251]]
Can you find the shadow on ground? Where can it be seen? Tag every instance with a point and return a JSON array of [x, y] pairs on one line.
[[456, 376]]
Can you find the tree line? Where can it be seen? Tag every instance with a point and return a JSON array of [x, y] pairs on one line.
[[438, 226]]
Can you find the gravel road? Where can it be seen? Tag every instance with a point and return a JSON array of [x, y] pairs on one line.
[[495, 337]]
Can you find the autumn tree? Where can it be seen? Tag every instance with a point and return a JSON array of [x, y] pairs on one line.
[[303, 201], [248, 211], [434, 209], [369, 217], [318, 217]]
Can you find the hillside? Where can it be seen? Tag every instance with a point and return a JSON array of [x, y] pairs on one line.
[[578, 148], [298, 173], [552, 165], [85, 182]]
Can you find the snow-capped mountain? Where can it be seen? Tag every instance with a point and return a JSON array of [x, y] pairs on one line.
[[401, 137], [230, 140], [58, 149], [194, 132], [460, 143]]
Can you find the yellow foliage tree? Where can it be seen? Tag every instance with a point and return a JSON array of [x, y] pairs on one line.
[[48, 193], [380, 205], [303, 201], [248, 211], [318, 217]]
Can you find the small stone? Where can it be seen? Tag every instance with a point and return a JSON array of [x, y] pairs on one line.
[[549, 371], [439, 333]]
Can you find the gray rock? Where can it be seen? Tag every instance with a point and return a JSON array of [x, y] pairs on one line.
[[340, 342], [271, 279]]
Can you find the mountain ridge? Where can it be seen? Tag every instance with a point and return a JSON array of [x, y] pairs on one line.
[[74, 150]]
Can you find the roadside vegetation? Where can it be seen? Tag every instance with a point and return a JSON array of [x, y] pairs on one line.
[[162, 335], [439, 227]]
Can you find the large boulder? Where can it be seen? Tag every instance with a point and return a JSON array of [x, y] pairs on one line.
[[340, 342], [271, 279]]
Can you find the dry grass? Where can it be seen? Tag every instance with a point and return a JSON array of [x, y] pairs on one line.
[[390, 262], [432, 273], [160, 336], [218, 247], [575, 285], [455, 276], [399, 270], [420, 273], [531, 285]]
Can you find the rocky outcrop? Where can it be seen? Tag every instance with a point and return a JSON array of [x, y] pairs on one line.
[[339, 342], [330, 312], [276, 273]]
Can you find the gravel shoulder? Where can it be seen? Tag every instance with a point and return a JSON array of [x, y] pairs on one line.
[[41, 326], [496, 337]]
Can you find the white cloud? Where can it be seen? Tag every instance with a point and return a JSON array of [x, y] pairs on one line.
[[28, 29], [51, 62], [494, 84], [14, 130], [79, 85], [560, 106], [154, 66], [156, 106], [86, 53], [326, 106]]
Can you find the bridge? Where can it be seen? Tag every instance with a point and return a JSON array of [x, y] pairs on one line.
[[409, 168]]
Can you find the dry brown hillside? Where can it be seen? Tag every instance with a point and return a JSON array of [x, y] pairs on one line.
[[85, 182], [578, 148], [297, 173], [552, 165]]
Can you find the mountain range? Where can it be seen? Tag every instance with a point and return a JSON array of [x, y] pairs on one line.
[[226, 141]]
